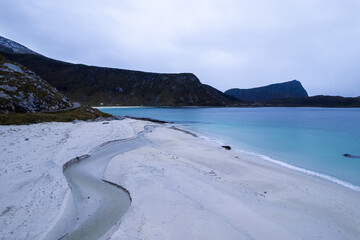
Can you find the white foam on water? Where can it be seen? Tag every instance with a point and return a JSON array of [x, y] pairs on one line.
[[283, 164], [303, 170]]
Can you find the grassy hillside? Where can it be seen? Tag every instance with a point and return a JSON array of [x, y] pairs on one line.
[[82, 113], [21, 90], [110, 86]]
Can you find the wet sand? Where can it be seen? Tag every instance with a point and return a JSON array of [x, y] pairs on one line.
[[94, 206]]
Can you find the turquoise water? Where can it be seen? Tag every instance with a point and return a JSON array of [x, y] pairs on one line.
[[314, 139]]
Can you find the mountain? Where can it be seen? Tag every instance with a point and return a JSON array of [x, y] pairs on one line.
[[291, 89], [224, 99], [9, 46], [21, 91], [110, 86]]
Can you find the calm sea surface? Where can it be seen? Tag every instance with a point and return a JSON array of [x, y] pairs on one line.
[[313, 139]]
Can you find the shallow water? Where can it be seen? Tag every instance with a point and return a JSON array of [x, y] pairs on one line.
[[310, 138], [94, 206]]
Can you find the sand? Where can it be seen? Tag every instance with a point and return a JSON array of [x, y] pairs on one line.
[[182, 187], [185, 187]]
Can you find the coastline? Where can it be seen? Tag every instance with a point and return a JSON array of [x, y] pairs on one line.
[[102, 107], [307, 172], [244, 198], [262, 157], [201, 190], [287, 136]]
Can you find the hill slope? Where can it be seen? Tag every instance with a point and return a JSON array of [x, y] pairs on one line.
[[9, 46], [23, 91], [291, 89], [224, 99], [95, 85]]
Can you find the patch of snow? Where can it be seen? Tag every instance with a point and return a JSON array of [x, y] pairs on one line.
[[8, 88], [4, 95], [13, 67], [5, 69], [14, 46]]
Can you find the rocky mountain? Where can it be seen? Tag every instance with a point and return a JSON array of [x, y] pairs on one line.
[[291, 89], [110, 86], [8, 46], [224, 99], [21, 90]]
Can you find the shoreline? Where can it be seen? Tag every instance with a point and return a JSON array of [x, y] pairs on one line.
[[313, 148], [306, 171], [307, 107], [266, 158], [177, 177], [186, 168], [262, 157]]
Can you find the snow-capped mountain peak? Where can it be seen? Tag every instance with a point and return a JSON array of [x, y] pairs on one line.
[[9, 46]]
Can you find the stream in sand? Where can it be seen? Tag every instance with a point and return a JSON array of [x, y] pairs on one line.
[[94, 206]]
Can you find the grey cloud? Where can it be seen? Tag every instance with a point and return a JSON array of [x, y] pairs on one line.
[[225, 43]]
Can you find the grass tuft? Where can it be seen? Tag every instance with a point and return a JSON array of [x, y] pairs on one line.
[[81, 113]]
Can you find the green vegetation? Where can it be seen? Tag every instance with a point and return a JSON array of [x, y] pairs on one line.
[[24, 91], [110, 86], [81, 113]]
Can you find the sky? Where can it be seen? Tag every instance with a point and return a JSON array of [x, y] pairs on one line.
[[225, 43]]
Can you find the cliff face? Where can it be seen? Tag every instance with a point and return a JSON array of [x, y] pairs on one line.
[[291, 89], [21, 90]]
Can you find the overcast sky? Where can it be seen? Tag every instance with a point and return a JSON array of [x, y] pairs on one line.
[[226, 43]]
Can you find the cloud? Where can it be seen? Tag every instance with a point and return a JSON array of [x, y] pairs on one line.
[[229, 43]]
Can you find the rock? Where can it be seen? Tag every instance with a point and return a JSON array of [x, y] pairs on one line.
[[23, 91], [227, 147]]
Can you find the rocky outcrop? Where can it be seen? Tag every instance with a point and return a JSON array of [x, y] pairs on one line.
[[291, 89], [21, 90]]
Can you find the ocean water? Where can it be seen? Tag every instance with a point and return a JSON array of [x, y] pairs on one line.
[[308, 139]]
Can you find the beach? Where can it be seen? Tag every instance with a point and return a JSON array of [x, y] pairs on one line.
[[182, 186]]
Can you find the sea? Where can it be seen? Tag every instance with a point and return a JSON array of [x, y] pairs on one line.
[[311, 140]]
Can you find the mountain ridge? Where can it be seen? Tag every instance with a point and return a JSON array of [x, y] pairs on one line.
[[111, 86], [9, 46]]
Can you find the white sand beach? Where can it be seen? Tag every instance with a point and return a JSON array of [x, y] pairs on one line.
[[182, 187]]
